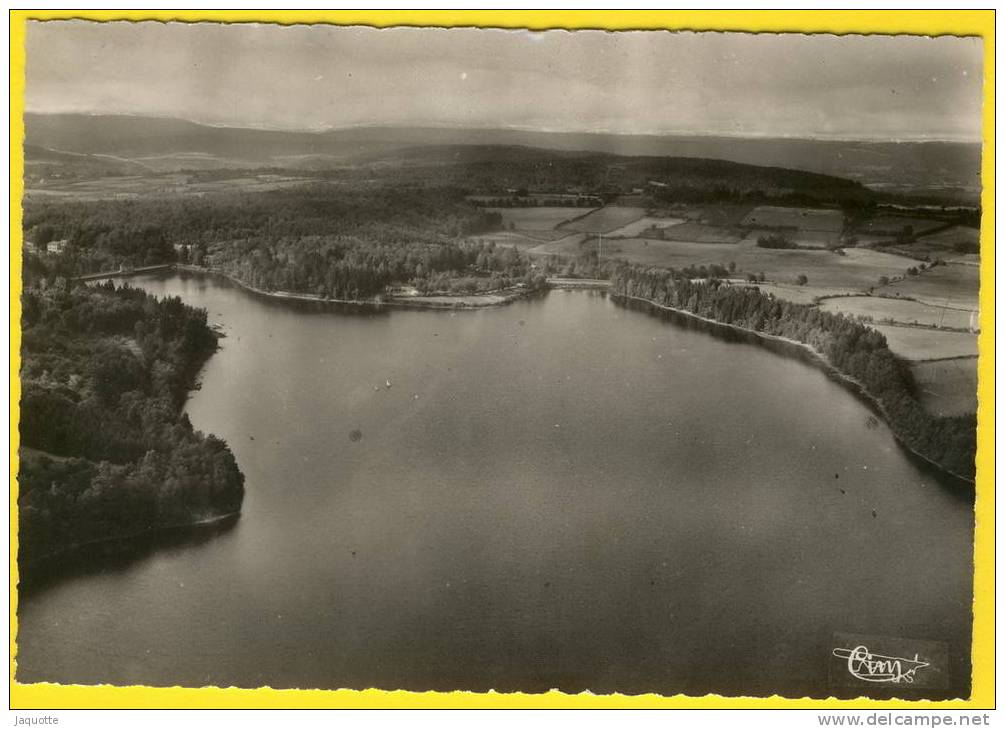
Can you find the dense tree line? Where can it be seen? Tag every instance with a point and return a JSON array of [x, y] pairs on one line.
[[362, 267], [497, 170], [522, 199], [321, 239], [854, 349], [503, 172], [106, 450], [145, 230]]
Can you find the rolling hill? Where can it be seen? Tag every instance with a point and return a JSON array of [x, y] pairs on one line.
[[163, 144]]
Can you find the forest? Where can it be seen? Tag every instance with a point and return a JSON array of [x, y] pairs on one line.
[[853, 349], [491, 170], [501, 172], [322, 239], [361, 267], [106, 451]]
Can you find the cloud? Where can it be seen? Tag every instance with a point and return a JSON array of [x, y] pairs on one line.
[[767, 84]]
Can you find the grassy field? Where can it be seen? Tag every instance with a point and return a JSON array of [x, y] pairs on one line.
[[948, 387], [856, 271], [815, 238], [770, 216], [544, 218], [716, 214], [605, 219], [568, 245], [918, 344], [895, 224], [725, 215], [124, 188], [869, 241], [707, 234], [951, 285], [799, 294], [638, 227], [882, 310], [951, 236], [544, 235], [945, 244]]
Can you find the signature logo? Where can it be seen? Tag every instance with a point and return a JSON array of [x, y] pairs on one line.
[[877, 668]]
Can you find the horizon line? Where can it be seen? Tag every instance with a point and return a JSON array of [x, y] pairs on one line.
[[427, 124]]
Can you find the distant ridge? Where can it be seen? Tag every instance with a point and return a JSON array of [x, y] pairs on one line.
[[923, 164]]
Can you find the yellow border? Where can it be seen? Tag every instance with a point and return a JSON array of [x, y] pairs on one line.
[[927, 22]]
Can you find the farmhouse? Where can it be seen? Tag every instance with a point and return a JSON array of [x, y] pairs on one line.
[[55, 246]]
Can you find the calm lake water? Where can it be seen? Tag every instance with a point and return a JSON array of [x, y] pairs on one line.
[[558, 493]]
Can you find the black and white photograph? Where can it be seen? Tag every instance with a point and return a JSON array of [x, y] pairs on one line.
[[438, 359]]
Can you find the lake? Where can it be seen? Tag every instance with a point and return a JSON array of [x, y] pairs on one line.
[[562, 492]]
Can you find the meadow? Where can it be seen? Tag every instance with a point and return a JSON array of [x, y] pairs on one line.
[[770, 216], [857, 270], [950, 237], [947, 387], [537, 219], [691, 232], [896, 224], [719, 214], [904, 311], [605, 219], [800, 294], [570, 244], [918, 344], [950, 285], [148, 186], [815, 238], [638, 227], [959, 243]]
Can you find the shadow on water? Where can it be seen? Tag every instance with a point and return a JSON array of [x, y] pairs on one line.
[[303, 306], [959, 488], [117, 555]]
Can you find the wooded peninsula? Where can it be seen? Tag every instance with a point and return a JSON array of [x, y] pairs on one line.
[[106, 452]]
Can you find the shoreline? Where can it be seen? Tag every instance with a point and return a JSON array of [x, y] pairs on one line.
[[505, 296], [857, 386], [557, 282], [451, 302], [124, 539]]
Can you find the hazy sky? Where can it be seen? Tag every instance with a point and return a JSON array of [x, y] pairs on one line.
[[641, 82]]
